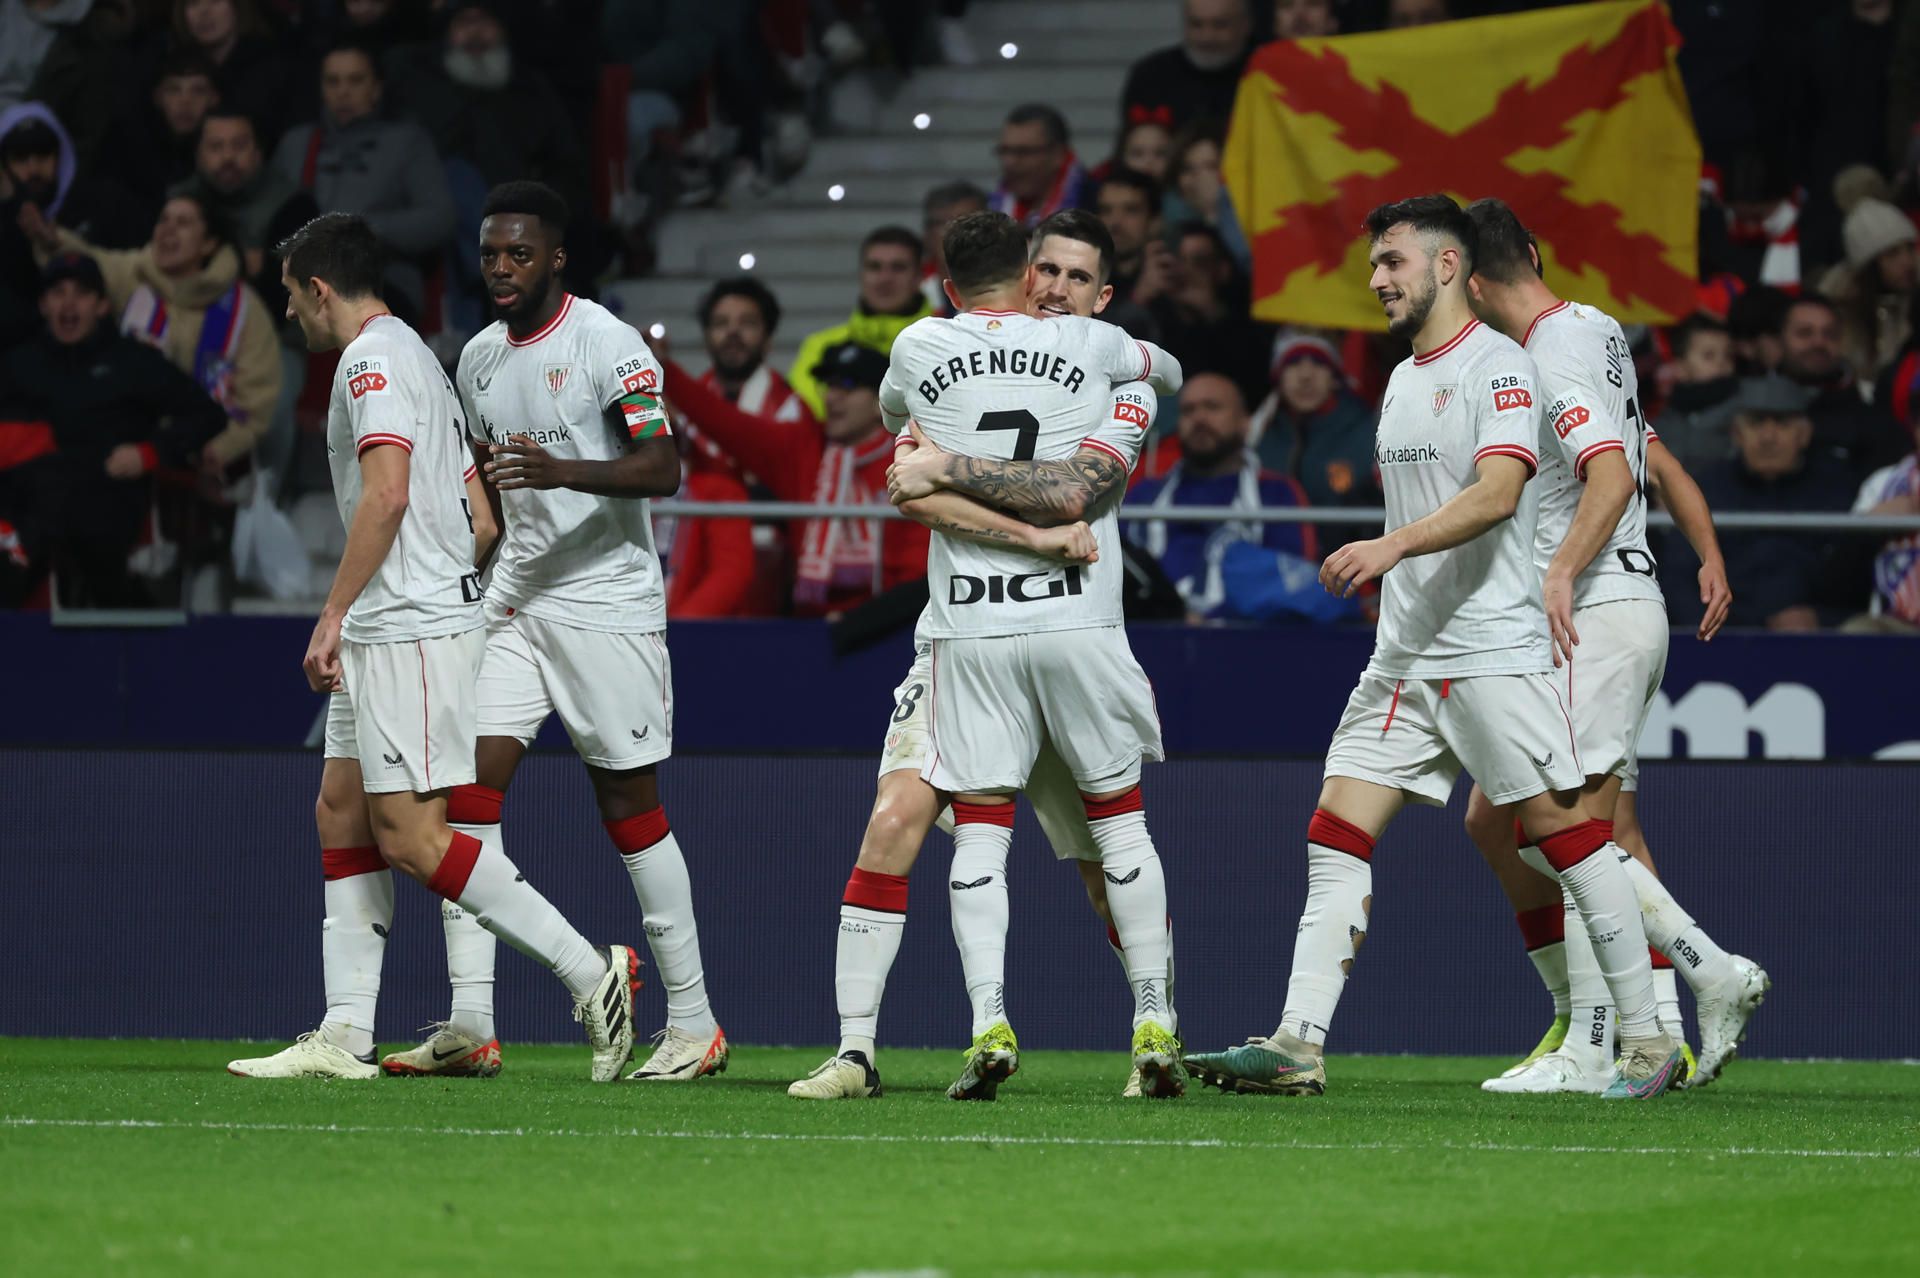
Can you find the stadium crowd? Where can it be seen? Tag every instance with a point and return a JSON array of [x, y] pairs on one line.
[[152, 153]]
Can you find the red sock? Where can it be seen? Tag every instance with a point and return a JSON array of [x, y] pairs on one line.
[[344, 863], [456, 867], [474, 805], [1329, 831], [871, 891], [1571, 846], [1546, 925], [1659, 960], [637, 833]]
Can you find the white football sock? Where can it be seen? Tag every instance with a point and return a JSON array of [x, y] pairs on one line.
[[977, 900], [873, 918], [1137, 899], [1604, 894], [1666, 996], [491, 888], [659, 875], [1113, 943], [1542, 930], [1332, 927], [470, 955], [1590, 1026], [353, 943], [1672, 931]]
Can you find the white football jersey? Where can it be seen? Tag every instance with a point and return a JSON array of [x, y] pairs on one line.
[[389, 390], [571, 557], [1593, 406], [1474, 609], [1005, 385]]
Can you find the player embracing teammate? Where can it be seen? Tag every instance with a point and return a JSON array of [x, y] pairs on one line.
[[1462, 672]]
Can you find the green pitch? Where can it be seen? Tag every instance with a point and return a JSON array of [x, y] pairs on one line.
[[146, 1158]]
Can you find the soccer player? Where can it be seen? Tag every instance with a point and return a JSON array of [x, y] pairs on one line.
[[1072, 260], [1026, 653], [1461, 674], [1604, 608], [563, 402], [398, 645]]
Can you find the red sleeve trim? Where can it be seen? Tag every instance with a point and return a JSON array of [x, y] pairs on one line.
[[375, 441], [1106, 448], [1510, 450], [1592, 451], [1653, 436], [471, 471], [1146, 358]]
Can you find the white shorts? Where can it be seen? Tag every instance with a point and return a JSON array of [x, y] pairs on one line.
[[1051, 789], [406, 713], [998, 701], [614, 692], [1610, 684], [1510, 732]]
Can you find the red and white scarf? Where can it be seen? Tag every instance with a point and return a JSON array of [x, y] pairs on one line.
[[838, 556]]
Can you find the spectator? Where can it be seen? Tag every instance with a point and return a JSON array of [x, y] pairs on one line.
[[1781, 580], [1146, 146], [942, 205], [77, 489], [738, 318], [249, 73], [28, 29], [383, 170], [1203, 319], [155, 150], [1304, 19], [842, 562], [1039, 173], [708, 562], [259, 205], [182, 294], [1402, 14], [1313, 428], [1843, 425], [1843, 114], [1874, 287], [1895, 490], [1753, 321], [890, 299], [1143, 265], [1225, 570], [380, 26], [1195, 191], [1197, 77], [1698, 418], [38, 166]]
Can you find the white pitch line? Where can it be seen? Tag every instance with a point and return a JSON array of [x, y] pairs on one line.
[[983, 1138]]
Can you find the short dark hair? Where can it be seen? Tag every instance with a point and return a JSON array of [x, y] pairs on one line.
[[1504, 250], [184, 62], [1757, 312], [1135, 180], [31, 136], [210, 214], [221, 111], [1428, 215], [984, 249], [1691, 327], [530, 199], [354, 46], [1206, 232], [1081, 225], [1042, 114], [950, 193], [1804, 299], [899, 235], [743, 286], [339, 248]]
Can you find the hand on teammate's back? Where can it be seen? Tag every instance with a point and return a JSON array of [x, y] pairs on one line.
[[915, 469]]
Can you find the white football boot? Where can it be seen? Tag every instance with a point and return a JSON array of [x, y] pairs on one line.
[[848, 1076], [607, 1013], [679, 1057], [310, 1056], [1723, 1014], [449, 1053], [1557, 1071]]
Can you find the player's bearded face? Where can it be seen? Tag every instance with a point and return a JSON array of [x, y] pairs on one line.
[[1408, 302]]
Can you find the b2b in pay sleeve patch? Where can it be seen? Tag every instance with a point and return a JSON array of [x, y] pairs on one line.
[[1510, 393], [367, 376]]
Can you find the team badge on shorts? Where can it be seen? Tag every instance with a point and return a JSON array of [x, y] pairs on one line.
[[1441, 398], [557, 377]]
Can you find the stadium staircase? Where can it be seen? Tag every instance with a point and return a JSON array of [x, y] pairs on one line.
[[1072, 54]]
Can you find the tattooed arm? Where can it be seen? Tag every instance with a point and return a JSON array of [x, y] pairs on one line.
[[1042, 492], [958, 515]]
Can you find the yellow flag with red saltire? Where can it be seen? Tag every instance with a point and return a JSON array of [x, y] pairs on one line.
[[1575, 116]]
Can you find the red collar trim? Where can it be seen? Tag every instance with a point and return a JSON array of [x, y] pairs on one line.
[[370, 319], [566, 305], [1457, 338], [1555, 309]]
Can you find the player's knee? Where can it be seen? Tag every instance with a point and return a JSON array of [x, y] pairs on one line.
[[893, 838]]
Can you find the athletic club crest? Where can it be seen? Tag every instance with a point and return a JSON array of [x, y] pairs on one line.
[[557, 377], [993, 326], [1441, 398]]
